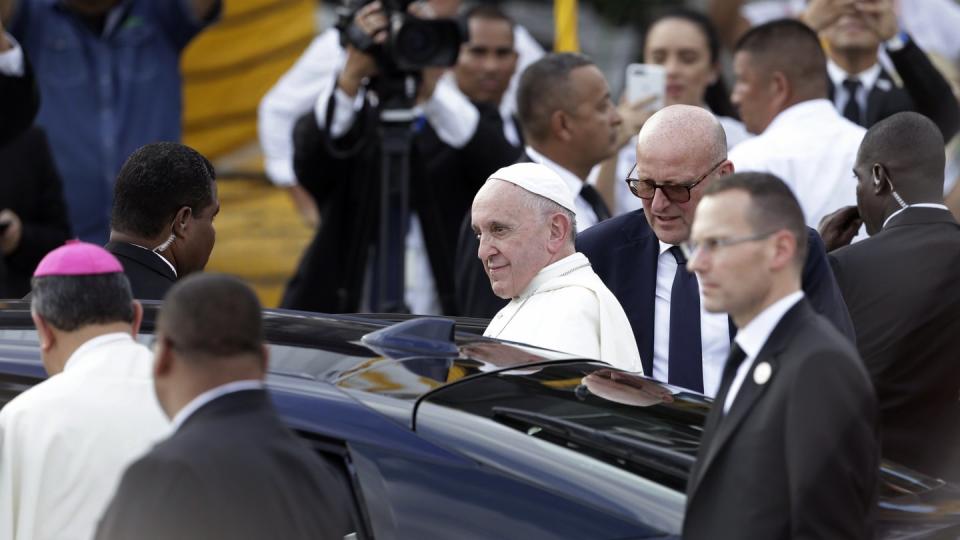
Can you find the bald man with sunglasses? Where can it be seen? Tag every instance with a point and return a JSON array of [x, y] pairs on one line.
[[680, 150]]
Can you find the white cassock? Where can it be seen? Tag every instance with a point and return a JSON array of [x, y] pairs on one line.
[[65, 443], [567, 308]]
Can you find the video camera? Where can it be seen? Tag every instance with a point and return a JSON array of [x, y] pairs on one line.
[[413, 43]]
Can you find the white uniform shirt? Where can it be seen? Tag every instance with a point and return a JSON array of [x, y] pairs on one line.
[[567, 308], [65, 443], [11, 60], [812, 148], [714, 329], [299, 89]]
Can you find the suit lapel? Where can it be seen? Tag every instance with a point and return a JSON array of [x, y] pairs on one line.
[[639, 289], [875, 99], [719, 427]]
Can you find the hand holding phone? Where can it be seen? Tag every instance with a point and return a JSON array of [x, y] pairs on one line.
[[645, 81]]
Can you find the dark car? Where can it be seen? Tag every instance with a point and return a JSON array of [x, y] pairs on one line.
[[445, 434]]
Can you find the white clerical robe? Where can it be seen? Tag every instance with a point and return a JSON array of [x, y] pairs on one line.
[[567, 308], [65, 443]]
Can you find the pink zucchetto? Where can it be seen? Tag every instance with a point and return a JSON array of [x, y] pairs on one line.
[[77, 258]]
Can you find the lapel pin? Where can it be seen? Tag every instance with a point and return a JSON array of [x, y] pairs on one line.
[[761, 374]]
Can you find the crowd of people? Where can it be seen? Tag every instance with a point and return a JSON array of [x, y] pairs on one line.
[[783, 248]]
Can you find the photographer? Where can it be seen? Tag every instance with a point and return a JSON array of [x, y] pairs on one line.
[[337, 159]]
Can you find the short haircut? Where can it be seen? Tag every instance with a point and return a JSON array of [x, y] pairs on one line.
[[773, 206], [209, 316], [792, 48], [544, 88], [486, 12], [907, 142], [69, 303], [155, 182]]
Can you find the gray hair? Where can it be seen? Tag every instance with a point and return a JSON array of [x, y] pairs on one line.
[[544, 208], [69, 303]]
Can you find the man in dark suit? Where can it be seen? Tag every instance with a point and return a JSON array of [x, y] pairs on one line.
[[903, 291], [570, 125], [33, 214], [793, 428], [681, 150], [860, 88], [20, 97], [161, 226], [231, 470]]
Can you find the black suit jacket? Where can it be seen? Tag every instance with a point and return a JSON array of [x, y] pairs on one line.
[[902, 286], [30, 186], [232, 471], [19, 101], [624, 253], [797, 456], [150, 278], [343, 176], [924, 91]]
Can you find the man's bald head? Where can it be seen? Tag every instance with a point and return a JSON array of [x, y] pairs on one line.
[[685, 130], [681, 146], [901, 154]]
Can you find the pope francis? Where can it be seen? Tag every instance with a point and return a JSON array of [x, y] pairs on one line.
[[524, 218], [65, 442]]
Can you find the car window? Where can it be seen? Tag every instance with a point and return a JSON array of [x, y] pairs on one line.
[[633, 423]]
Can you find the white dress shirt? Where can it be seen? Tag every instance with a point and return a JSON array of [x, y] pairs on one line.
[[190, 408], [567, 308], [868, 78], [812, 148], [299, 89], [714, 329], [65, 443], [752, 337], [586, 217], [11, 60]]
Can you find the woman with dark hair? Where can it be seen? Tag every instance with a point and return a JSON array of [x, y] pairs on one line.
[[686, 44]]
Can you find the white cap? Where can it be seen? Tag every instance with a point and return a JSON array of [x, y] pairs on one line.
[[539, 180]]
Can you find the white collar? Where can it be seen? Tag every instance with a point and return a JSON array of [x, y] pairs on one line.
[[574, 182], [805, 111], [664, 247], [162, 258], [754, 335], [210, 395], [556, 269], [95, 343], [918, 205], [867, 77]]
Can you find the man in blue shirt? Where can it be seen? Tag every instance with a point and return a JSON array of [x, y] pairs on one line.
[[109, 78]]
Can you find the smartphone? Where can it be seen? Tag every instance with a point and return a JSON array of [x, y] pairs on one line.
[[645, 80]]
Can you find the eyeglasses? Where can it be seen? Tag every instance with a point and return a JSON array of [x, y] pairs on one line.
[[710, 245], [678, 193]]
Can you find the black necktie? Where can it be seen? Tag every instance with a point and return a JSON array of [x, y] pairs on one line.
[[686, 357], [851, 111], [592, 196], [734, 359]]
